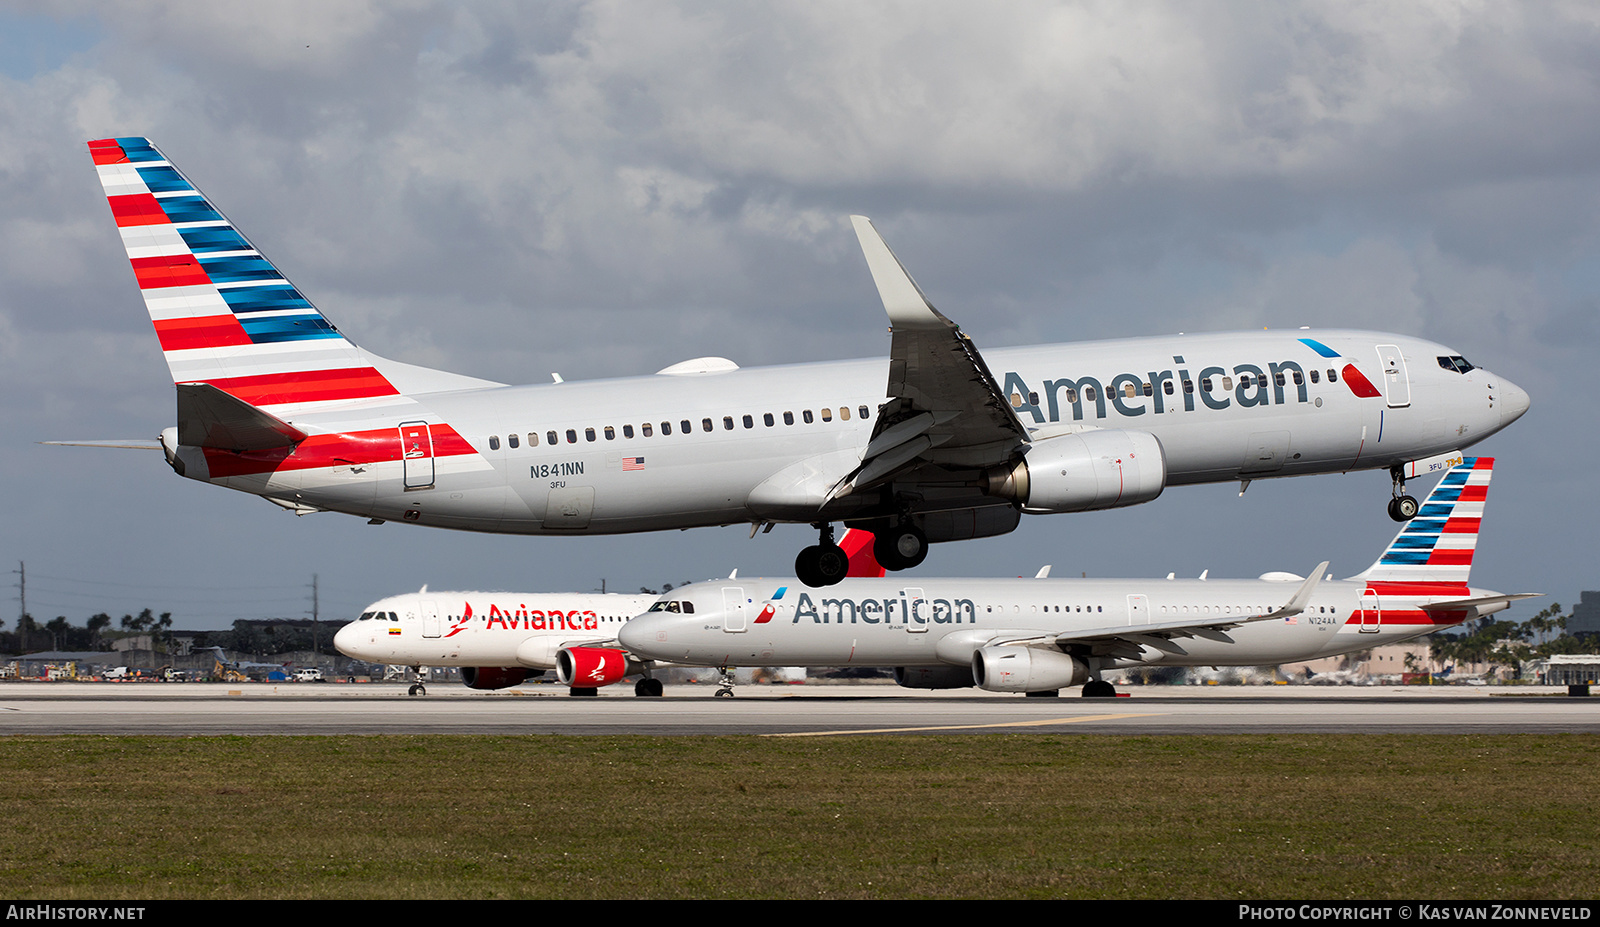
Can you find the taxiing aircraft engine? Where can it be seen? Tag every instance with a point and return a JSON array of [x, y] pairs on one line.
[[1083, 472], [933, 677], [492, 677], [1026, 669], [590, 667]]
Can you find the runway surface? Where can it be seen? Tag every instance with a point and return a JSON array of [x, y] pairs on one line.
[[811, 710]]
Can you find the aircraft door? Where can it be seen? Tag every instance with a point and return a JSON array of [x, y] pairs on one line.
[[919, 611], [733, 609], [430, 618], [416, 454], [1138, 609], [1371, 614], [1396, 384]]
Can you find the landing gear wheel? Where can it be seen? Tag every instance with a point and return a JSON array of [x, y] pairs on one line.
[[582, 692], [647, 688], [1403, 508], [1099, 688], [1043, 693], [821, 565], [901, 547], [417, 689], [723, 693]]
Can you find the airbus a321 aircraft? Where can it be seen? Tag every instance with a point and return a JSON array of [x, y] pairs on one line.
[[935, 442], [1040, 635], [499, 639]]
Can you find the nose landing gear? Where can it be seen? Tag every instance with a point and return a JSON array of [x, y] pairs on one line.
[[1402, 507]]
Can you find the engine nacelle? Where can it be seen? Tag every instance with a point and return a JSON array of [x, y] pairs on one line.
[[1083, 473], [934, 677], [590, 667], [492, 677], [1026, 669]]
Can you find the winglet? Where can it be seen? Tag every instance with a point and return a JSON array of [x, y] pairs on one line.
[[1302, 596], [902, 298]]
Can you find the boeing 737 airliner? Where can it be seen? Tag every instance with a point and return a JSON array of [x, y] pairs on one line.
[[935, 442], [1041, 635]]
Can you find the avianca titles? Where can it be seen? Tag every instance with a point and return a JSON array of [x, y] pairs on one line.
[[1040, 635], [935, 442]]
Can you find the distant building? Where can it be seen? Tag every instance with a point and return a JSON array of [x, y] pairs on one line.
[[1585, 616]]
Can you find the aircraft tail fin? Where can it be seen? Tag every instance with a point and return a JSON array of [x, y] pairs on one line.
[[857, 545], [1437, 545], [224, 314]]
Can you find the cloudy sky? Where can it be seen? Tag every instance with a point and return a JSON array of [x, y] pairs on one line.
[[603, 189]]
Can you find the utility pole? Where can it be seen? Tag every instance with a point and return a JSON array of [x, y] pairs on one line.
[[316, 627], [22, 586]]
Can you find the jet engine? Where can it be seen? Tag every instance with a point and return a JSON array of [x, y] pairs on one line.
[[590, 667], [933, 677], [492, 677], [1026, 669], [1083, 472]]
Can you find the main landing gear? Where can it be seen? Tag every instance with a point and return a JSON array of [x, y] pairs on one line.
[[417, 688], [823, 564], [1099, 688], [901, 547], [1402, 507], [647, 688]]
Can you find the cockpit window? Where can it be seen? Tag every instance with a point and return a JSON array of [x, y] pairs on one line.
[[675, 606], [1457, 363], [365, 616]]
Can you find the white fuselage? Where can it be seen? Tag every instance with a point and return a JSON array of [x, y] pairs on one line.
[[484, 628], [931, 622], [622, 459]]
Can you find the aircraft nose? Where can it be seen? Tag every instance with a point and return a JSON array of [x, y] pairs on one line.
[[345, 641], [1513, 401], [639, 633]]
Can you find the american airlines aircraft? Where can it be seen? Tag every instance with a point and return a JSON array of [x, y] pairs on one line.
[[1040, 635], [499, 639], [935, 442]]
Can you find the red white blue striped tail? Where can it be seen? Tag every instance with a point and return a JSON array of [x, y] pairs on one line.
[[1437, 545], [224, 314]]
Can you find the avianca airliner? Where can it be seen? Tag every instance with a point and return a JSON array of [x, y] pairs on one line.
[[499, 639], [935, 442], [1041, 635]]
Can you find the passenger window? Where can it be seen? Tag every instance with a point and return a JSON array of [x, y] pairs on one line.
[[647, 430], [1277, 378], [1205, 384], [705, 424], [749, 422], [844, 413], [627, 431], [572, 436], [767, 419], [1127, 390], [1227, 383], [1089, 393], [1166, 387], [788, 418], [1315, 377], [1299, 379], [1072, 394], [494, 443], [588, 434], [684, 426], [806, 416], [511, 440], [827, 415], [727, 422], [1188, 386], [533, 439], [611, 433], [1333, 376], [865, 414], [1149, 390]]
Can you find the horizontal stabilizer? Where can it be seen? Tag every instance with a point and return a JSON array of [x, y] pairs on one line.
[[209, 417], [1484, 603], [135, 444]]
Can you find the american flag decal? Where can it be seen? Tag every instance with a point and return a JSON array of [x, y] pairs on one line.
[[633, 463]]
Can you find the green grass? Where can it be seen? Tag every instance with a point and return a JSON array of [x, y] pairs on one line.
[[1001, 816]]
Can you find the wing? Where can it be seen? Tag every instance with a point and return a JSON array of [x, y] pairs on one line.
[[1126, 641], [944, 408]]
